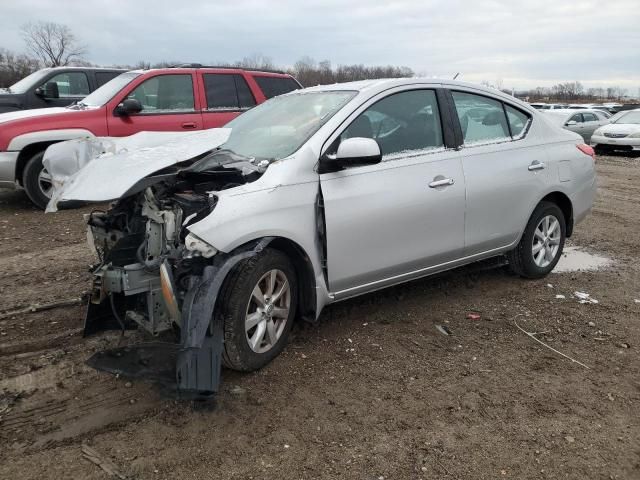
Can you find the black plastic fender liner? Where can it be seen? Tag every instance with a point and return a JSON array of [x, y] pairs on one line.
[[199, 360]]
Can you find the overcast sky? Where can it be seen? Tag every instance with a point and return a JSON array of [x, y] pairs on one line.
[[523, 43]]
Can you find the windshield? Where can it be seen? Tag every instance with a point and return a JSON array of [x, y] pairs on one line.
[[279, 127], [107, 91], [29, 81], [632, 117]]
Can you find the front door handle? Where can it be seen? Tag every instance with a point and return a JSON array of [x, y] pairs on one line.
[[441, 183], [536, 165], [189, 125]]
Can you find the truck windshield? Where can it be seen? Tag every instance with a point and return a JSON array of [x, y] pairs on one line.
[[280, 126], [107, 91], [24, 85]]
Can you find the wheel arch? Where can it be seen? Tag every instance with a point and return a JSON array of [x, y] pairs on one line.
[[26, 154], [32, 143], [305, 274], [564, 203]]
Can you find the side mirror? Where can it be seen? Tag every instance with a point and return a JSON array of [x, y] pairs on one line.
[[129, 106], [352, 152], [50, 90], [570, 123]]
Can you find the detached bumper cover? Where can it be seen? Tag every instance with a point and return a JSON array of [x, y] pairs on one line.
[[8, 161]]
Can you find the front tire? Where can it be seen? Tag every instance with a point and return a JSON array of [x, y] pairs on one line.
[[257, 305], [541, 245], [37, 181]]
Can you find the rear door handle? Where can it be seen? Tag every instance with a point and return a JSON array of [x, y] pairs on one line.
[[189, 125], [536, 165], [441, 183]]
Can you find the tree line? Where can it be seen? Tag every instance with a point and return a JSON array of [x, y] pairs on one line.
[[54, 45], [575, 91]]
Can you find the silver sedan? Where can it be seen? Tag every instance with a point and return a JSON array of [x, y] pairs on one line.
[[317, 196], [583, 122]]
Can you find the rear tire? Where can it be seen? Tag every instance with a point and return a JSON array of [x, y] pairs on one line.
[[35, 183], [255, 332], [541, 245]]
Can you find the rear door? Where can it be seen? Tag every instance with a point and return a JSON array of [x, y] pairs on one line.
[[226, 95], [387, 222], [505, 169], [168, 104]]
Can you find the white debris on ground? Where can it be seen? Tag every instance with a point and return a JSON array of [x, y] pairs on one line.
[[575, 259], [584, 297]]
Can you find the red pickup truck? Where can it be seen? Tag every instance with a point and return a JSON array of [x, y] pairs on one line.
[[183, 98]]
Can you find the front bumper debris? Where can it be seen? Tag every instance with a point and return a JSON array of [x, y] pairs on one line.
[[191, 368]]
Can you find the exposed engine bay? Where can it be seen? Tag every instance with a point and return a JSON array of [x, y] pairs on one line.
[[150, 268]]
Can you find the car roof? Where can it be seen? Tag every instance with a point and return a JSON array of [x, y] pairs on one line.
[[205, 69], [379, 85], [97, 69]]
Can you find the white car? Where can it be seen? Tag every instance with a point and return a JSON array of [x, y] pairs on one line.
[[622, 134]]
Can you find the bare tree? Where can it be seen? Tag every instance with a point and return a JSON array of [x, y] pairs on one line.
[[52, 43], [15, 67]]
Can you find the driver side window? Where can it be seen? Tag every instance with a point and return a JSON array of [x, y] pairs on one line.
[[401, 123], [165, 94], [71, 84]]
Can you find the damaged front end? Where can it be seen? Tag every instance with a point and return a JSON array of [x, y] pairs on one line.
[[153, 274]]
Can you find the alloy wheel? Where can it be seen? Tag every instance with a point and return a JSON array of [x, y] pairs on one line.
[[268, 311], [546, 241]]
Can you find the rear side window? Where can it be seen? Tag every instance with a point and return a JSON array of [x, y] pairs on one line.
[[227, 92], [274, 86], [589, 117], [482, 119], [518, 121], [104, 77]]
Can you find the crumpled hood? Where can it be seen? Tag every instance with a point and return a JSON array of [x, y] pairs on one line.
[[36, 112], [105, 168]]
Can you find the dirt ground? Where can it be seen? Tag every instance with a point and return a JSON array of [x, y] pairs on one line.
[[374, 390]]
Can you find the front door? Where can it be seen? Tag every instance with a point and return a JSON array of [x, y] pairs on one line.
[[168, 104], [389, 221], [72, 87]]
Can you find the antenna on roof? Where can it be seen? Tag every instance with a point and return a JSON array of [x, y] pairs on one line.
[[456, 75]]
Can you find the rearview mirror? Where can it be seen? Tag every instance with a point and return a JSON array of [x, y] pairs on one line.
[[352, 152], [570, 123], [128, 107], [49, 90]]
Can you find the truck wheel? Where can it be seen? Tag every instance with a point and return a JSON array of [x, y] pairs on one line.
[[257, 304], [37, 181], [541, 244]]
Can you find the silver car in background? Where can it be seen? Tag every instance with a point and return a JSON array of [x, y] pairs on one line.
[[316, 196], [583, 122]]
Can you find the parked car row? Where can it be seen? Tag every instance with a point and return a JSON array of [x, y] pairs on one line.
[[620, 132], [608, 108], [190, 97]]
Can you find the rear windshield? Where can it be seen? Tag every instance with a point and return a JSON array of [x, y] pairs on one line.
[[274, 86]]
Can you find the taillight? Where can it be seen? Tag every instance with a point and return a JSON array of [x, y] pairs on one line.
[[587, 150]]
